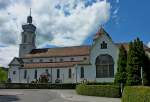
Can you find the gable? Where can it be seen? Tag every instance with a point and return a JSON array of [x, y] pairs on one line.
[[15, 61]]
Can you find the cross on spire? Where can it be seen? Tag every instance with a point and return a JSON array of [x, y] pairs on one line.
[[29, 18], [30, 11]]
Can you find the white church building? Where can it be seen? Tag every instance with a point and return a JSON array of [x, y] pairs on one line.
[[95, 62]]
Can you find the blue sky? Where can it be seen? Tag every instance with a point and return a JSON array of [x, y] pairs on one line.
[[71, 22], [133, 20]]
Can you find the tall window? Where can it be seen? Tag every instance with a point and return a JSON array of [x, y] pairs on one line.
[[104, 66], [61, 60], [58, 73], [14, 72], [69, 73], [46, 70], [25, 74], [103, 45], [25, 38], [35, 74], [82, 72]]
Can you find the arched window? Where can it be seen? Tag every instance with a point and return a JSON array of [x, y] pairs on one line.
[[69, 73], [35, 74], [25, 74], [104, 66], [25, 38], [82, 72]]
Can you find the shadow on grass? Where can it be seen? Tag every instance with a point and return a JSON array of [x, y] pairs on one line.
[[8, 98]]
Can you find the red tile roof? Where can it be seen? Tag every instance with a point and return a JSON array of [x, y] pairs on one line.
[[126, 46], [58, 52], [51, 65]]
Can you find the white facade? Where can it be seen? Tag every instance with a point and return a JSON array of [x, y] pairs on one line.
[[89, 69]]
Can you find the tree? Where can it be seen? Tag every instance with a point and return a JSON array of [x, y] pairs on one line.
[[121, 74], [135, 61], [3, 75], [146, 70]]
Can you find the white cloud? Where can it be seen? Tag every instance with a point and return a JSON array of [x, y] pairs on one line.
[[59, 22], [148, 44], [117, 1], [7, 54]]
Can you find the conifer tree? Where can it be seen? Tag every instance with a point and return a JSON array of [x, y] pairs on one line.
[[136, 56], [121, 74]]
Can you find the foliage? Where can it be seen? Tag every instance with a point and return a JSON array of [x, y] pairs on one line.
[[136, 94], [134, 62], [146, 71], [99, 83], [36, 86], [98, 90], [43, 79], [3, 75], [121, 74]]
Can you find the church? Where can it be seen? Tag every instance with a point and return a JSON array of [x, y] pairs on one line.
[[94, 63]]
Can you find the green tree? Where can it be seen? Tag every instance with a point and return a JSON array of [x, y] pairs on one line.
[[146, 70], [121, 74], [135, 61], [3, 75]]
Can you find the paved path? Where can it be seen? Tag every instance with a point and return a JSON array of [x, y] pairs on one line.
[[46, 95], [72, 96]]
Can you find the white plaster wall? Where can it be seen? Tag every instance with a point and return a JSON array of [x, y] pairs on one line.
[[14, 77], [111, 50], [52, 71]]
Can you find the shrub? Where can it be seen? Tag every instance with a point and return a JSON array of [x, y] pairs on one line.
[[36, 86], [99, 90], [136, 94], [99, 83]]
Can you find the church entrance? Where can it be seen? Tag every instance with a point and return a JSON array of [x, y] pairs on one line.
[[104, 66]]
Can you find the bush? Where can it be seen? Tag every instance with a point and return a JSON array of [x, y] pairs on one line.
[[136, 94], [99, 83], [99, 90], [36, 86]]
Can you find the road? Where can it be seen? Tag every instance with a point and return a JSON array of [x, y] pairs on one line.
[[34, 95], [47, 95]]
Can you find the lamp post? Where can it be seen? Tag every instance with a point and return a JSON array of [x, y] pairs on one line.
[[142, 74]]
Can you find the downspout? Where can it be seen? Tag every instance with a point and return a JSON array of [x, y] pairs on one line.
[[76, 72]]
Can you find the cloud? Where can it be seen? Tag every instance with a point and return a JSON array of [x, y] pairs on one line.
[[7, 54], [148, 44], [117, 1], [59, 22]]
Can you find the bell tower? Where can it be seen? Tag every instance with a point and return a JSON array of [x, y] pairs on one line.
[[28, 37]]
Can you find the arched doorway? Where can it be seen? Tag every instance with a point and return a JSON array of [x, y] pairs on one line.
[[104, 66]]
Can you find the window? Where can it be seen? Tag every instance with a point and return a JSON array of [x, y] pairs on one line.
[[24, 47], [14, 72], [104, 66], [103, 45], [61, 60], [31, 60], [72, 59], [25, 74], [69, 73], [51, 60], [46, 70], [84, 58], [41, 60], [25, 37], [58, 73], [35, 74], [82, 72]]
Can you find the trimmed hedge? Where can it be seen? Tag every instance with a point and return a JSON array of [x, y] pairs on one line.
[[136, 94], [36, 86], [99, 83], [99, 90]]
